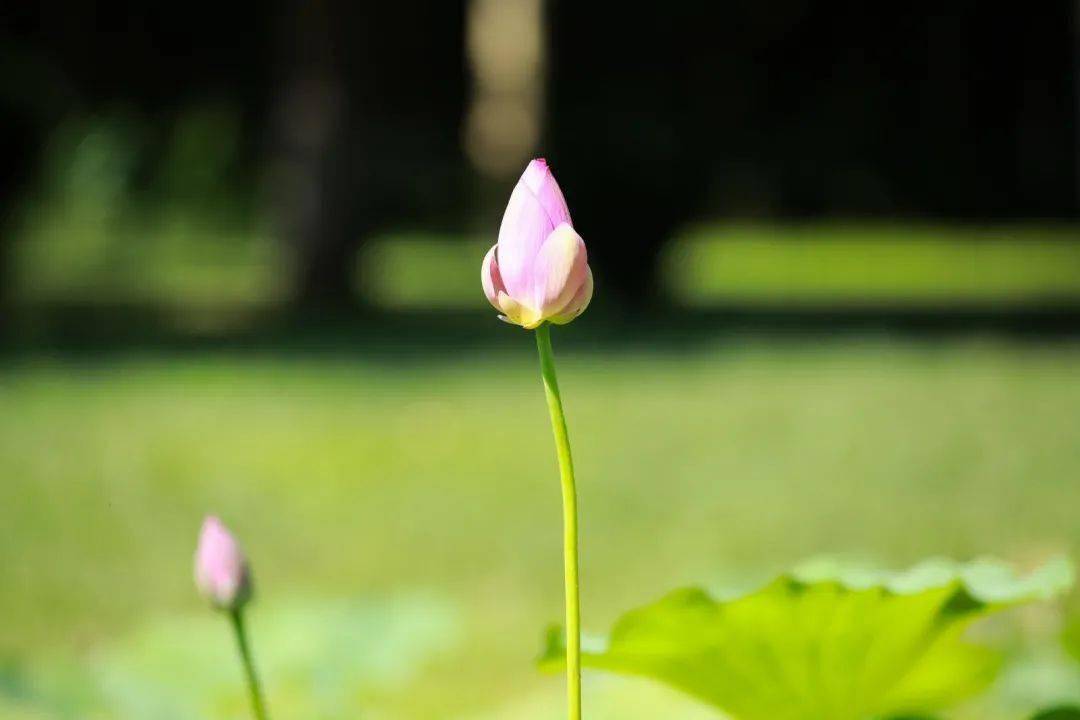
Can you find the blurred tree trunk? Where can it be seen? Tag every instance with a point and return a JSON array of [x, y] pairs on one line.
[[367, 130], [309, 169]]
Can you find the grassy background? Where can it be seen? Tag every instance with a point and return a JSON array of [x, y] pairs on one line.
[[784, 265], [876, 263], [433, 474]]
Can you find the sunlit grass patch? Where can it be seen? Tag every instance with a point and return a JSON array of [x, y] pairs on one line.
[[779, 265], [888, 264], [423, 271]]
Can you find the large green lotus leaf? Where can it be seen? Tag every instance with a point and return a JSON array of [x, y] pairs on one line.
[[826, 642]]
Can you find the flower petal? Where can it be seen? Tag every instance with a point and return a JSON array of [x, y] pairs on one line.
[[539, 179], [490, 277], [559, 270], [517, 314], [535, 209], [577, 304]]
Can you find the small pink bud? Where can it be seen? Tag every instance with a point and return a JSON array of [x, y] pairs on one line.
[[538, 270], [221, 570]]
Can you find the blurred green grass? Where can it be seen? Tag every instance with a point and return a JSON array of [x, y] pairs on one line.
[[773, 265], [348, 476], [882, 263]]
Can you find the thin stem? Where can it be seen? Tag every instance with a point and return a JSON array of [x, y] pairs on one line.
[[258, 707], [570, 522]]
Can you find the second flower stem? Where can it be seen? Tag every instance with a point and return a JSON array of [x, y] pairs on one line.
[[258, 707], [570, 522]]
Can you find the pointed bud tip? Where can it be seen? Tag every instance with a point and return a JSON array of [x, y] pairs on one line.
[[537, 176], [212, 523]]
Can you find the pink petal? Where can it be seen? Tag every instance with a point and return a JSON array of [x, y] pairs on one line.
[[539, 179], [559, 270], [577, 304], [535, 209], [490, 277]]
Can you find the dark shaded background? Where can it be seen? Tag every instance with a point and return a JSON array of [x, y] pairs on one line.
[[351, 115]]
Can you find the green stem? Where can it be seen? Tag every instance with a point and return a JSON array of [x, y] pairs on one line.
[[258, 707], [570, 522]]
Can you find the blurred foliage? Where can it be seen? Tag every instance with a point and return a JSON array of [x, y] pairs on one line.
[[420, 271], [1065, 712], [317, 659], [111, 222], [825, 642], [1038, 676], [1071, 637]]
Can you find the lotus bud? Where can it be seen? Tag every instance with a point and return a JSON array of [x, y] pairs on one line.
[[538, 271], [221, 570]]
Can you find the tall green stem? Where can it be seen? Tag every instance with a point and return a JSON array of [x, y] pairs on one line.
[[570, 522], [258, 707]]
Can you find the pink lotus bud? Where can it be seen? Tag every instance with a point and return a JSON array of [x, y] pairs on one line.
[[221, 571], [539, 270]]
